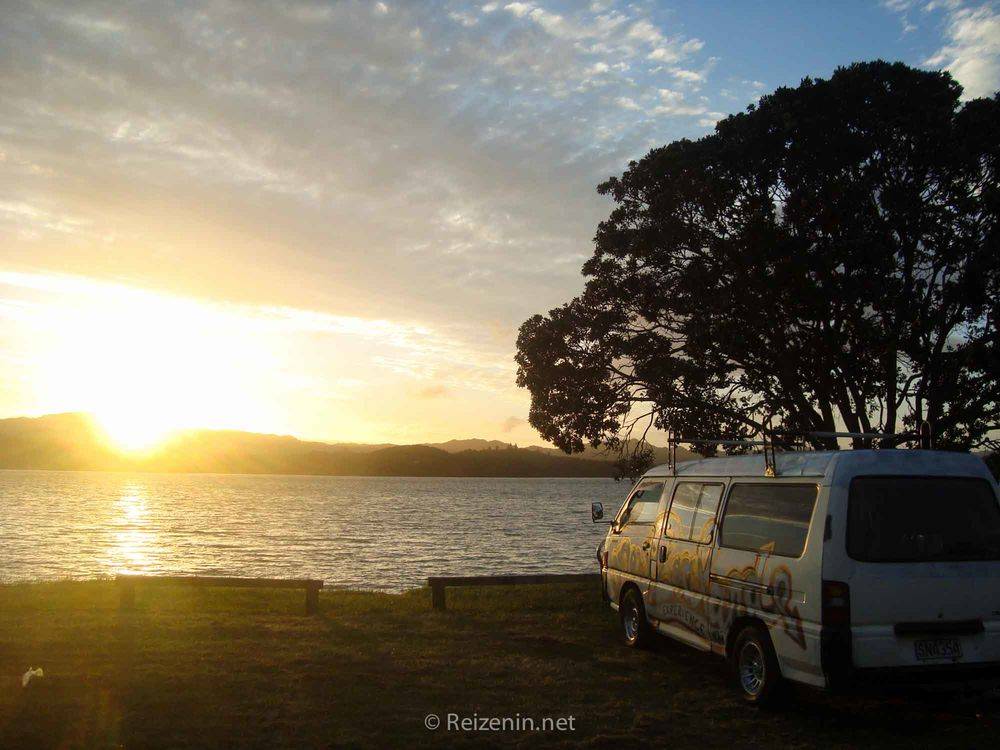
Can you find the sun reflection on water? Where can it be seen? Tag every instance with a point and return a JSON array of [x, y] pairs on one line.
[[134, 536]]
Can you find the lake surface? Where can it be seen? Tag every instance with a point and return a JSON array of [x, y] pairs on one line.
[[384, 533]]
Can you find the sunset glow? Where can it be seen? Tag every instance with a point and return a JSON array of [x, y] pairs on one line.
[[144, 364], [133, 433], [329, 219]]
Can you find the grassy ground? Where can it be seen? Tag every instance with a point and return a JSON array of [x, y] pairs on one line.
[[245, 668]]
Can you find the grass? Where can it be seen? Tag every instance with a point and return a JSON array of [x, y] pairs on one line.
[[194, 668]]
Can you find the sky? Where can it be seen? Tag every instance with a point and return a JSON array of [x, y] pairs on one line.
[[329, 219]]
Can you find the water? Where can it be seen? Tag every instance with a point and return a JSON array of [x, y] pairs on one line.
[[384, 533]]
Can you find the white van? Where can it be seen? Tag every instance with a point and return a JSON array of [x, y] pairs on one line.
[[844, 567]]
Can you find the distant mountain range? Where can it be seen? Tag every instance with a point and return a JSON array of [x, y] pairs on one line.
[[74, 441]]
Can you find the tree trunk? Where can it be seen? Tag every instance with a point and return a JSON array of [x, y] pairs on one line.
[[889, 366]]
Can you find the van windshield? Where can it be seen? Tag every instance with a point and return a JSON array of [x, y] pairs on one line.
[[922, 519]]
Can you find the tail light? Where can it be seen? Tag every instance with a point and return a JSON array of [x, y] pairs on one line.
[[836, 603], [604, 560]]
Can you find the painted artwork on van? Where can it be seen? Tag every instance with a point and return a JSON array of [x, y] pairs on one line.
[[685, 597], [776, 600]]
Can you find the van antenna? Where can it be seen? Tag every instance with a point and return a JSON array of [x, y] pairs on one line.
[[770, 459]]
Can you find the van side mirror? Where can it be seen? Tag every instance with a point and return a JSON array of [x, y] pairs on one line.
[[596, 512]]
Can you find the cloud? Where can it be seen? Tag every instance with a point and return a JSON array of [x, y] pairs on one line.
[[30, 219], [432, 391], [518, 9], [512, 423], [687, 76], [645, 31], [664, 54], [674, 102], [972, 51], [412, 174], [358, 124]]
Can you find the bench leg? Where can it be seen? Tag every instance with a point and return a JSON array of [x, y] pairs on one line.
[[437, 596], [312, 600]]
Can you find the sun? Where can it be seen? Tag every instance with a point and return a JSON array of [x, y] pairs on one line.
[[135, 432], [147, 365]]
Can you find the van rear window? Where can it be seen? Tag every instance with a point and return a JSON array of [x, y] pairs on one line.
[[768, 517], [922, 519]]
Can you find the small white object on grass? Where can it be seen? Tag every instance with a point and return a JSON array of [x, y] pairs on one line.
[[26, 677]]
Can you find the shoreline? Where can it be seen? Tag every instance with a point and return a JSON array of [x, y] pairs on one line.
[[309, 476]]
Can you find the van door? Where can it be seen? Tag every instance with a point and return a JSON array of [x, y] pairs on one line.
[[678, 601], [761, 566], [632, 536], [925, 574]]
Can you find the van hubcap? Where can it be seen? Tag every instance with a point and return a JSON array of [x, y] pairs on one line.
[[632, 624], [751, 668]]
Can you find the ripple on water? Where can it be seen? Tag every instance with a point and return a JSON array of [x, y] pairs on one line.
[[384, 533]]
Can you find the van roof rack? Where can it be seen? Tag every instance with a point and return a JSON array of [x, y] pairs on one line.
[[767, 443], [924, 437]]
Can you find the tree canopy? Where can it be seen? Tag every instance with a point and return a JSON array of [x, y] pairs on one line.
[[828, 258]]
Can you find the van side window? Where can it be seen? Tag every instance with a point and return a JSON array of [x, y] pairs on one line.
[[642, 505], [768, 517], [692, 512], [703, 528]]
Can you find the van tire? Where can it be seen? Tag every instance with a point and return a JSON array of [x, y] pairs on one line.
[[754, 666], [635, 627]]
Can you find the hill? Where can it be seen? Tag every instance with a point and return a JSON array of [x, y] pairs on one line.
[[660, 454], [56, 441], [472, 444], [74, 441]]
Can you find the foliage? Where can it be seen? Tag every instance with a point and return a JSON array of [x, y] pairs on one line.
[[829, 258], [633, 462]]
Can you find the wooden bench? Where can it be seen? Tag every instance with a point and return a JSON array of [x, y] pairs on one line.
[[127, 584], [439, 583]]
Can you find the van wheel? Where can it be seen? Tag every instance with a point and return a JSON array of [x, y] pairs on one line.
[[755, 669], [635, 627]]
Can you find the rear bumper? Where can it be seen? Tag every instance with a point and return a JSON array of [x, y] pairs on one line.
[[839, 657], [982, 675]]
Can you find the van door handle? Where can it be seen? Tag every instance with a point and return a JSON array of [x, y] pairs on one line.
[[663, 554], [645, 545]]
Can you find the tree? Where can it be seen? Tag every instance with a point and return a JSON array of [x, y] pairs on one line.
[[828, 258]]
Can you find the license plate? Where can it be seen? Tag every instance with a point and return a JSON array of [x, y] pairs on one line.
[[938, 648]]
